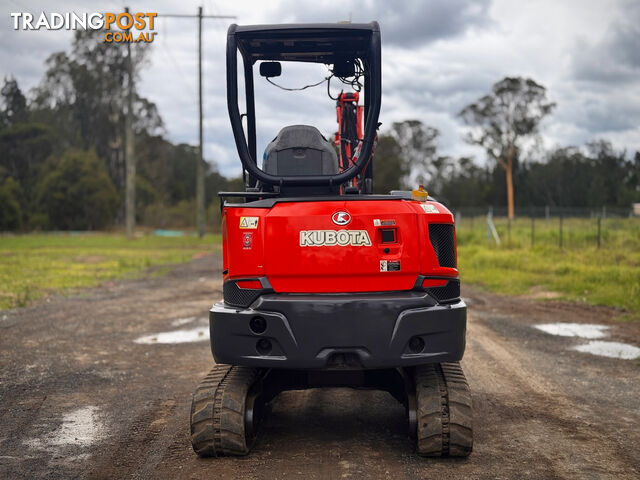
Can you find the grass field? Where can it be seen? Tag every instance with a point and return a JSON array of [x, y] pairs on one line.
[[32, 266], [35, 265], [580, 271]]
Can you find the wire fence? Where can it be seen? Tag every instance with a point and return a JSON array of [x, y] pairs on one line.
[[564, 228]]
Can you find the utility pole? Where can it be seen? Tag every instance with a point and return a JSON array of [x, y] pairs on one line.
[[200, 212], [129, 151], [200, 193]]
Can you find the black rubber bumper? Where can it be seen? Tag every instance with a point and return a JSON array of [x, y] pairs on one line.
[[384, 330]]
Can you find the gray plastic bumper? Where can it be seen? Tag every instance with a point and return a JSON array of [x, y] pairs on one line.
[[339, 331]]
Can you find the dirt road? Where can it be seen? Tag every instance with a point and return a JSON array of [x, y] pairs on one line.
[[80, 398]]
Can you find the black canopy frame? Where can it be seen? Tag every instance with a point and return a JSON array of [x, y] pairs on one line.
[[325, 43]]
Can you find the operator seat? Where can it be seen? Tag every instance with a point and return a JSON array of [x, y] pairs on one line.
[[300, 150]]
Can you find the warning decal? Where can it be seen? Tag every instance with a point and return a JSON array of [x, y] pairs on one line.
[[389, 265], [381, 223], [249, 222], [247, 240], [428, 208]]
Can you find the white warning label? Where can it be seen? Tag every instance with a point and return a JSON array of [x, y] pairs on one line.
[[428, 208], [389, 265], [249, 222]]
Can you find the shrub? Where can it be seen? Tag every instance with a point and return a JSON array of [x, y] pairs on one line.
[[78, 193], [10, 211]]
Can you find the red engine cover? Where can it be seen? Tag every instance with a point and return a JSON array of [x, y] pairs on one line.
[[334, 246]]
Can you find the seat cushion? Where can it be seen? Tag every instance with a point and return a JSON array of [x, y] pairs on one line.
[[300, 150]]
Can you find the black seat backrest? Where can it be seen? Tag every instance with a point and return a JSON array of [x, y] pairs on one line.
[[300, 150]]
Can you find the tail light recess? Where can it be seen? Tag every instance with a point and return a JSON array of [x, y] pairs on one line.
[[244, 291], [434, 282], [249, 284]]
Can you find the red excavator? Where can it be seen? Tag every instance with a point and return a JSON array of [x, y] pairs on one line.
[[326, 284]]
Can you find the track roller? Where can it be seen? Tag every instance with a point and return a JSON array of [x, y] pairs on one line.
[[443, 416], [225, 411]]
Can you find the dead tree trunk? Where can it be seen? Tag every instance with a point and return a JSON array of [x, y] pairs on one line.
[[509, 173]]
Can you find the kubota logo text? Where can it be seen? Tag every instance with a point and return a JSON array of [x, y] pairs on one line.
[[330, 238]]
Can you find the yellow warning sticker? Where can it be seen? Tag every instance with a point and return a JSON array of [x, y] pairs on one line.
[[249, 222]]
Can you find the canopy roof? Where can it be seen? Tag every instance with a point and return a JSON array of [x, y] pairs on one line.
[[315, 42]]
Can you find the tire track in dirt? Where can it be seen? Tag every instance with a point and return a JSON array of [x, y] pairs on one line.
[[540, 410], [556, 427]]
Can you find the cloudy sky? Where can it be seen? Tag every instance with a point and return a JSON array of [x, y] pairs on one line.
[[438, 56]]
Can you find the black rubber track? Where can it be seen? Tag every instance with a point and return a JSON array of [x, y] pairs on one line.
[[218, 412], [444, 413]]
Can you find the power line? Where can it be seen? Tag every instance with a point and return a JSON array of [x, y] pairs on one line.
[[200, 193], [169, 56]]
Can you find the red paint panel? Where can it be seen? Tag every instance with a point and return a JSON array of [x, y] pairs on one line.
[[244, 260], [276, 250], [292, 268]]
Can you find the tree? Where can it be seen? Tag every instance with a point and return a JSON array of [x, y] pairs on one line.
[[23, 149], [502, 120], [612, 175], [14, 103], [10, 211], [467, 185], [634, 175], [83, 96], [389, 169], [418, 145], [78, 193]]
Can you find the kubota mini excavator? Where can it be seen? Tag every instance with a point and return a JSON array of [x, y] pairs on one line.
[[326, 284]]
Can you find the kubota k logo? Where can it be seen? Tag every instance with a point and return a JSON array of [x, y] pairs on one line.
[[341, 218]]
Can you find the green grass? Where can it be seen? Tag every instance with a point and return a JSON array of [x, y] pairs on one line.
[[580, 271], [32, 266]]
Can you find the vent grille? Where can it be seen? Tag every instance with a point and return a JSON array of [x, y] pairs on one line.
[[239, 297], [448, 292], [441, 237]]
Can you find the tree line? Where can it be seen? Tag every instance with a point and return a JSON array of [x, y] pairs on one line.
[[62, 153], [504, 123], [62, 148], [589, 176]]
